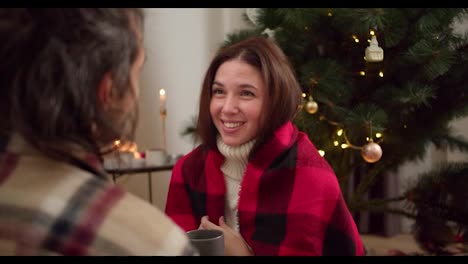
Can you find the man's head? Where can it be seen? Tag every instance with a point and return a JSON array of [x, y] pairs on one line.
[[70, 76]]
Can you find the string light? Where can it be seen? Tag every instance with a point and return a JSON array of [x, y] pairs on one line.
[[355, 39], [313, 81], [362, 73], [339, 132], [381, 74], [321, 152], [371, 152]]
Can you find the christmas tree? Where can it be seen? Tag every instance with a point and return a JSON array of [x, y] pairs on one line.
[[379, 85]]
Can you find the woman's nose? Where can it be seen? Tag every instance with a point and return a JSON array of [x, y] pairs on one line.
[[231, 105]]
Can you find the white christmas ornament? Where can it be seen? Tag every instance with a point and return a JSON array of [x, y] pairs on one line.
[[269, 32], [374, 53]]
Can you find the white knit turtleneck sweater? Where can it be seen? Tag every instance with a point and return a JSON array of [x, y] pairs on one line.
[[233, 168]]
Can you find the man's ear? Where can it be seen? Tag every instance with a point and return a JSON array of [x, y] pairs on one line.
[[105, 89]]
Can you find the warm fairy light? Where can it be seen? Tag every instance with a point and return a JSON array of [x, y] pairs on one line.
[[355, 39], [343, 146], [304, 95], [372, 32], [134, 149], [367, 139], [362, 73], [330, 14], [321, 152], [128, 147], [339, 132], [378, 135], [405, 126], [137, 155], [336, 143], [381, 74]]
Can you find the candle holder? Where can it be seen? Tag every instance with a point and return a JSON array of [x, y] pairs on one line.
[[163, 114]]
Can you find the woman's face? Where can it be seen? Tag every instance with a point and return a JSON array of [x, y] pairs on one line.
[[238, 94]]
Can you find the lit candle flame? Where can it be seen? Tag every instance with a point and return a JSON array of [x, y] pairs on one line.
[[162, 99]]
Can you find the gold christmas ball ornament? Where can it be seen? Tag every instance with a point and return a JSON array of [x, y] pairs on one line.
[[371, 152], [311, 107]]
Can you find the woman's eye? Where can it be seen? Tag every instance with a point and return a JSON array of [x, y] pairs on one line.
[[217, 91], [247, 93]]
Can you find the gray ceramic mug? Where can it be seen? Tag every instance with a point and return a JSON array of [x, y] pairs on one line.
[[209, 242]]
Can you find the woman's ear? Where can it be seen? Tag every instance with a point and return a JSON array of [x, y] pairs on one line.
[[104, 90]]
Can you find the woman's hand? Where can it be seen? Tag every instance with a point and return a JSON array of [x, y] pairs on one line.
[[234, 244]]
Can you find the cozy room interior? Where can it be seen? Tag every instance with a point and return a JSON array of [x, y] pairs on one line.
[[180, 43]]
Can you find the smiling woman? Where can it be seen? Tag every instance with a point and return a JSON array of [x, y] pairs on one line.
[[255, 176]]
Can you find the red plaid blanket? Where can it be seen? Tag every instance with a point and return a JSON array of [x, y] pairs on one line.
[[290, 202]]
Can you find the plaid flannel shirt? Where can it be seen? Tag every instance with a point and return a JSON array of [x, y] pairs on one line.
[[290, 202], [54, 208]]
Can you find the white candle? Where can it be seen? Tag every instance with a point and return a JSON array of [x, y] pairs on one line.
[[162, 99]]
